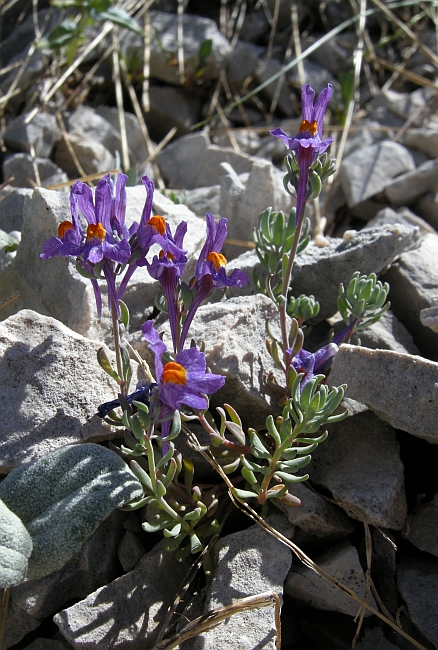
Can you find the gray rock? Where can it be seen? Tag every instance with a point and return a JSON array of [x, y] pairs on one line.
[[369, 170], [317, 516], [387, 334], [89, 124], [238, 326], [360, 464], [22, 167], [131, 550], [341, 562], [417, 581], [333, 55], [93, 156], [318, 76], [429, 316], [204, 199], [247, 563], [196, 30], [191, 161], [318, 270], [48, 644], [383, 567], [12, 208], [94, 566], [171, 107], [247, 140], [264, 188], [136, 143], [243, 62], [422, 528], [44, 369], [402, 105], [42, 132], [374, 639], [427, 207], [277, 90], [129, 611], [35, 66], [373, 377], [413, 279], [408, 187], [404, 216], [18, 625], [424, 139]]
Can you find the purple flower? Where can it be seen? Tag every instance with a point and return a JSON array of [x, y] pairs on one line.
[[106, 238], [308, 142], [184, 380], [312, 364], [210, 269]]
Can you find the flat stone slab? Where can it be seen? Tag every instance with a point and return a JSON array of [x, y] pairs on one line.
[[128, 612], [360, 465], [342, 563], [401, 389], [369, 170], [417, 581], [50, 387], [248, 563]]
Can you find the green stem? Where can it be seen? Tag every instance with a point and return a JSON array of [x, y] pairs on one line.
[[285, 286], [116, 333]]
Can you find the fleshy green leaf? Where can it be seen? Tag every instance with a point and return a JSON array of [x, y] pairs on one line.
[[62, 498], [15, 548]]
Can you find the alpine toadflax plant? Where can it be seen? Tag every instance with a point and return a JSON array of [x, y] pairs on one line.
[[308, 143]]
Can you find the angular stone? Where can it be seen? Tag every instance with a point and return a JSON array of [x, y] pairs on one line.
[[374, 639], [129, 611], [424, 139], [360, 465], [243, 62], [195, 31], [180, 162], [12, 207], [387, 334], [417, 581], [427, 207], [171, 107], [402, 105], [89, 124], [422, 528], [93, 156], [209, 171], [374, 378], [369, 170], [204, 199], [18, 625], [406, 188], [131, 550], [51, 385], [237, 327], [278, 89], [247, 563], [136, 143], [413, 279], [22, 167], [41, 133], [317, 516], [341, 562], [318, 270], [48, 644]]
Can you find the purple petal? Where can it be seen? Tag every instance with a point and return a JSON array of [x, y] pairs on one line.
[[104, 199], [149, 185], [117, 252], [120, 199], [321, 106], [279, 133], [307, 98], [51, 247], [85, 201], [323, 356], [156, 345]]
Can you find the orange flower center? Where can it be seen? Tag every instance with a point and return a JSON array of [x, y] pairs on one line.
[[311, 127], [159, 223], [63, 227], [217, 259], [96, 231], [168, 255], [174, 373]]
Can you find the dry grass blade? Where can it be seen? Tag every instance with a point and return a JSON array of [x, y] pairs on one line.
[[180, 33], [86, 178], [146, 63], [210, 620], [407, 74], [307, 561], [119, 101], [297, 40], [426, 51], [69, 145], [8, 300], [3, 614]]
